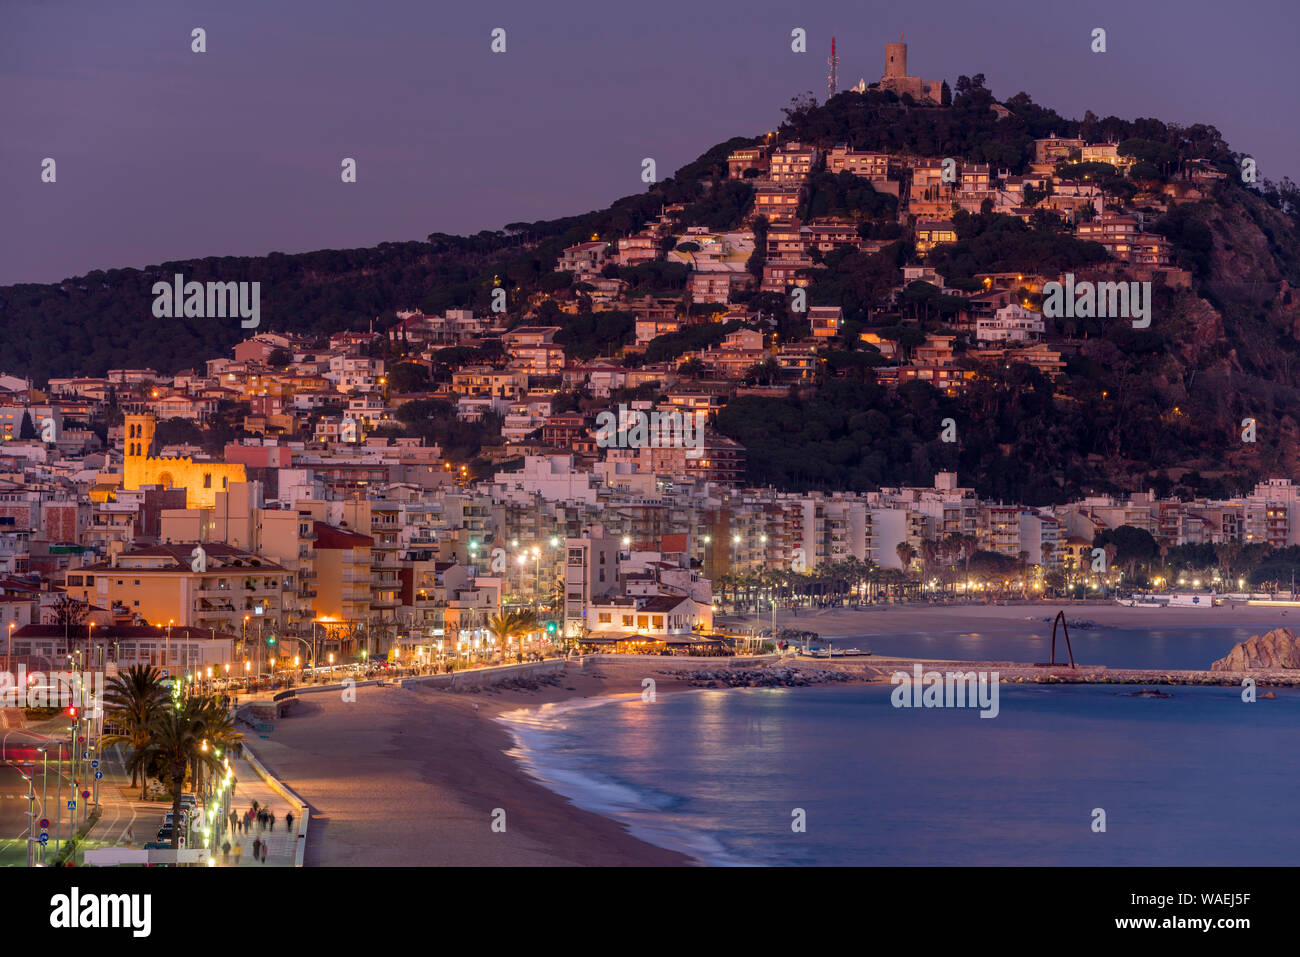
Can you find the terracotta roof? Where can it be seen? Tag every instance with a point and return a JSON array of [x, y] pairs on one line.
[[329, 536]]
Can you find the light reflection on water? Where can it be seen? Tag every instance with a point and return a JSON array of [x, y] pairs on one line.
[[1198, 778]]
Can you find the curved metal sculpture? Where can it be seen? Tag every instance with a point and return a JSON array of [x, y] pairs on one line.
[[1060, 617]]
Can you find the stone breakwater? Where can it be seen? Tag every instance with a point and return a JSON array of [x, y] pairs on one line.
[[1083, 624], [1013, 672], [775, 676]]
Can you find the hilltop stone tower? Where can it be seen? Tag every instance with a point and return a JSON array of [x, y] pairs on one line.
[[896, 59], [897, 80]]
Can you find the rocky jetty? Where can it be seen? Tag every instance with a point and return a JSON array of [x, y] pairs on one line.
[[780, 676], [1276, 650], [793, 635], [1083, 624]]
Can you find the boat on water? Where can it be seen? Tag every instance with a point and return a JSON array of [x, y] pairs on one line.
[[837, 653]]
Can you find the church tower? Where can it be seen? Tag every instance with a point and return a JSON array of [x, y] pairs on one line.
[[139, 446]]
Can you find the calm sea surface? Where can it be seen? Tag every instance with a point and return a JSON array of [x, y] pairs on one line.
[[1176, 648], [1199, 778]]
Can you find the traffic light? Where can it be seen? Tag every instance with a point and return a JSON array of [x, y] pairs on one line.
[[552, 627], [270, 640], [72, 711]]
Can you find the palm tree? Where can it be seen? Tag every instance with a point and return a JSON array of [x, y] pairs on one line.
[[906, 554], [219, 735], [133, 700], [929, 555], [501, 625], [508, 624], [525, 624], [176, 742]]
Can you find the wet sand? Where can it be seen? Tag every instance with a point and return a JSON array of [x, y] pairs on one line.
[[412, 776]]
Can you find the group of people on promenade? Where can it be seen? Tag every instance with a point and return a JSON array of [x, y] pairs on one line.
[[264, 818]]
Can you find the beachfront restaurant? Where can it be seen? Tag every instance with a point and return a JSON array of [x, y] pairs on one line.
[[650, 625], [618, 643]]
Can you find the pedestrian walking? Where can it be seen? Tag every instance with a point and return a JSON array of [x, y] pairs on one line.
[[263, 853], [288, 821], [239, 852], [257, 847], [270, 820], [234, 820], [225, 853], [255, 807]]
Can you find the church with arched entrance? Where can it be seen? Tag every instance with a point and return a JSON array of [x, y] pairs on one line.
[[201, 480]]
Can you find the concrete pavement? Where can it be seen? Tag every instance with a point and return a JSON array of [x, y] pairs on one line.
[[126, 821], [281, 842]]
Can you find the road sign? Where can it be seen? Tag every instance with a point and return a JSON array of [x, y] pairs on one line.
[[45, 824], [86, 795], [72, 805], [165, 672], [44, 839], [98, 775], [81, 739], [95, 763], [85, 755]]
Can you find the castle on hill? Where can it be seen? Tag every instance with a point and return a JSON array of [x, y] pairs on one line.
[[897, 80]]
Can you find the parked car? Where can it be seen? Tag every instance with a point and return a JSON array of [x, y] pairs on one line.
[[165, 835]]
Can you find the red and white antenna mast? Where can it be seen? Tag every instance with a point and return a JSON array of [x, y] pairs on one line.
[[832, 80]]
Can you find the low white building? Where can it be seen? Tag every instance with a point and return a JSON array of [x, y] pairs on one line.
[[1011, 323]]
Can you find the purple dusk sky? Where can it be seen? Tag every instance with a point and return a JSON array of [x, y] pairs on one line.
[[167, 154]]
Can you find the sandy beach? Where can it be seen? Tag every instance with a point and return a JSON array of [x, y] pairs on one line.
[[943, 619], [411, 776]]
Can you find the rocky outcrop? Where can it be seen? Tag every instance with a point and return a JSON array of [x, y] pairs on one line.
[[1279, 649]]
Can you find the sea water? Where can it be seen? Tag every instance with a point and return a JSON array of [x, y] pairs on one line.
[[1172, 648], [1199, 778]]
